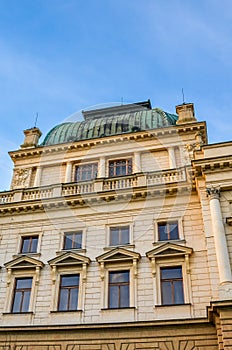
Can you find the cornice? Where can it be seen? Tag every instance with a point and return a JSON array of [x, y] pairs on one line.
[[100, 198], [207, 165], [86, 144], [106, 326]]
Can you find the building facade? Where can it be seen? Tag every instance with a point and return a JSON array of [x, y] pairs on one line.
[[116, 235]]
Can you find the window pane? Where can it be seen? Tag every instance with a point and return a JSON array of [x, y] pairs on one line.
[[122, 276], [23, 283], [63, 302], [73, 299], [174, 234], [124, 296], [17, 302], [34, 244], [25, 245], [178, 292], [72, 280], [162, 232], [26, 301], [114, 236], [124, 235], [171, 273], [77, 240], [113, 297], [166, 293]]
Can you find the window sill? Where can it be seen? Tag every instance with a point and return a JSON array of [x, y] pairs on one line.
[[65, 311], [27, 254], [175, 305], [78, 250], [18, 313], [119, 246], [119, 308], [175, 241]]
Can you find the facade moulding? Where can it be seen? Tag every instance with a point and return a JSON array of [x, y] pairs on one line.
[[39, 205], [85, 144]]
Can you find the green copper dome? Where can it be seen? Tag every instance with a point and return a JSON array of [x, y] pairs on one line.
[[111, 121]]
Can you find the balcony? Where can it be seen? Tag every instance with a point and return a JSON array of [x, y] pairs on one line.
[[101, 185]]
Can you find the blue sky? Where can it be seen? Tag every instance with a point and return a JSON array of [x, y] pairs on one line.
[[58, 57]]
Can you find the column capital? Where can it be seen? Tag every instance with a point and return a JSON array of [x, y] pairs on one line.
[[213, 191]]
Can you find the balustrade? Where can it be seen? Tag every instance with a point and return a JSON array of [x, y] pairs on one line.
[[98, 185]]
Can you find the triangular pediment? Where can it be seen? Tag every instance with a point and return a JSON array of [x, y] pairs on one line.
[[24, 262], [69, 258], [118, 254], [169, 250]]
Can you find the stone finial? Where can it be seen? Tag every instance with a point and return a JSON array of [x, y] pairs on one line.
[[213, 191], [31, 138], [185, 113]]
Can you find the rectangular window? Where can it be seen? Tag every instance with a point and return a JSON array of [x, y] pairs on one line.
[[119, 235], [172, 285], [120, 167], [119, 289], [29, 244], [22, 293], [168, 231], [68, 294], [86, 172], [72, 240]]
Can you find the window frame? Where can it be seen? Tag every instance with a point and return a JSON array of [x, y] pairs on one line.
[[120, 286], [127, 159], [65, 271], [180, 262], [22, 291], [71, 287], [172, 281], [29, 234], [179, 222], [76, 232], [132, 285], [119, 228], [31, 237], [82, 165]]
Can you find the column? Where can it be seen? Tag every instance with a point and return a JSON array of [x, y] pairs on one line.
[[222, 255], [38, 176], [172, 158], [68, 172], [102, 167], [137, 163]]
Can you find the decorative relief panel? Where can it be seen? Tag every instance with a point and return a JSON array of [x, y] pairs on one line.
[[175, 344], [37, 347], [21, 178]]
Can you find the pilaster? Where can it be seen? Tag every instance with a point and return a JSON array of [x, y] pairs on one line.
[[213, 192]]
